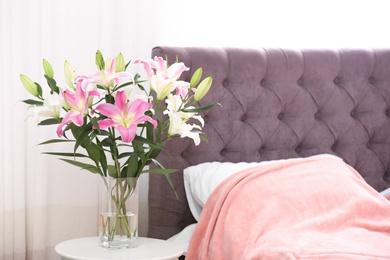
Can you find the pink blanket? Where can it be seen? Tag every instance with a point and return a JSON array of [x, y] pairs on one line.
[[313, 208]]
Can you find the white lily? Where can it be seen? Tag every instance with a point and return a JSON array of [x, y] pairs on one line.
[[51, 108], [178, 120]]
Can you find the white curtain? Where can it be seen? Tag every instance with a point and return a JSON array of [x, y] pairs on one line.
[[44, 201]]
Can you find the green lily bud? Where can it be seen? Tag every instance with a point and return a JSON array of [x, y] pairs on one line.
[[30, 86], [119, 63], [99, 60], [107, 64], [69, 74], [203, 88], [48, 69], [196, 77]]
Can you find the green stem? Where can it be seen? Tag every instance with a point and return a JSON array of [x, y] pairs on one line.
[[122, 193], [115, 153]]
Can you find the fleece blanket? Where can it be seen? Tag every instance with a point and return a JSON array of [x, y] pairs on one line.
[[311, 208]]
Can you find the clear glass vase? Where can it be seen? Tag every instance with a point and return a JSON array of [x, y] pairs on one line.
[[118, 213]]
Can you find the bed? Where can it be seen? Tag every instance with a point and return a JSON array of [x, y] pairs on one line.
[[281, 109]]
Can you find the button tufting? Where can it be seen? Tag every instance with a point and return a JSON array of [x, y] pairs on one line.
[[336, 81], [261, 150], [262, 82], [387, 112], [334, 146], [225, 83], [300, 81], [369, 145], [317, 115], [223, 152], [371, 80], [353, 113], [280, 116], [243, 118], [298, 149]]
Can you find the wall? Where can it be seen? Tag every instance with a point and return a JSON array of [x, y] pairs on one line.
[[276, 23]]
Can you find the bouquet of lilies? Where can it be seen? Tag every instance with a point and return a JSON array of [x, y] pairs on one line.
[[119, 125]]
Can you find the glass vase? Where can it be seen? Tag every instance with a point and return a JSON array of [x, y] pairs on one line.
[[118, 213]]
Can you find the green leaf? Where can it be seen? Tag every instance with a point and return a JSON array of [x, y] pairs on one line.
[[103, 161], [203, 88], [112, 171], [39, 89], [81, 135], [83, 166], [99, 60], [52, 141], [142, 140], [49, 121], [29, 85], [66, 154], [169, 179], [160, 171], [124, 155], [109, 99], [132, 166], [196, 77], [93, 151], [199, 109], [107, 142], [167, 175], [48, 69], [149, 131], [52, 84], [141, 87], [139, 150], [94, 122], [123, 85], [33, 102], [203, 138], [156, 151], [127, 64]]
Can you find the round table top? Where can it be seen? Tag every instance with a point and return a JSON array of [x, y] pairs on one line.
[[88, 249]]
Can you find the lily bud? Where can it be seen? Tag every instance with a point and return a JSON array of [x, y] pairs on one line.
[[30, 86], [107, 64], [165, 91], [203, 88], [196, 77], [119, 63], [99, 60], [48, 69], [69, 75]]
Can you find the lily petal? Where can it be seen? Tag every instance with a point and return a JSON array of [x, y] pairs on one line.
[[127, 134]]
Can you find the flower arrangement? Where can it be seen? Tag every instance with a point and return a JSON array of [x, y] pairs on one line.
[[119, 125]]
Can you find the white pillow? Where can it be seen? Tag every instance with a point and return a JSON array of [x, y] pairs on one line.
[[202, 179]]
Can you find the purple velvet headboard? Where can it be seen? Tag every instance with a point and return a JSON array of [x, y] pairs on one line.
[[277, 104]]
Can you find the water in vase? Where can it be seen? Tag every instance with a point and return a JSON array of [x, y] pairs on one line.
[[118, 230]]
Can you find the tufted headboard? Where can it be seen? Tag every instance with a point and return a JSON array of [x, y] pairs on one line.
[[277, 104]]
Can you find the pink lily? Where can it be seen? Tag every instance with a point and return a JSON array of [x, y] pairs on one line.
[[158, 64], [182, 88], [105, 78], [125, 116], [161, 76], [78, 104]]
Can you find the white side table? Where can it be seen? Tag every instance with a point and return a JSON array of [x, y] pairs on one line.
[[88, 249]]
